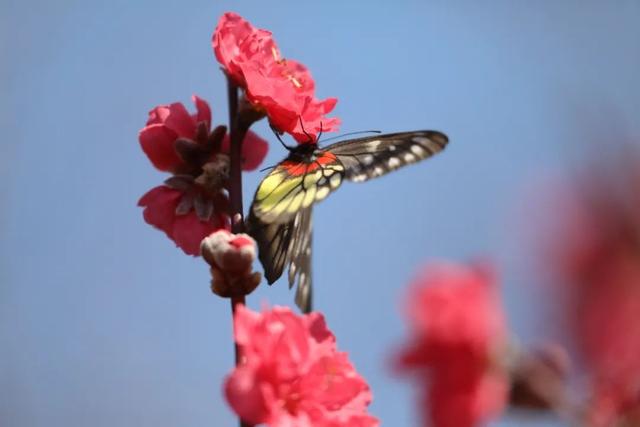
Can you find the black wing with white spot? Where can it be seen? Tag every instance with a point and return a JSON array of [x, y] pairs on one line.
[[371, 157]]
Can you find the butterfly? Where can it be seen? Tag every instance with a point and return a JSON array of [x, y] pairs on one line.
[[280, 215]]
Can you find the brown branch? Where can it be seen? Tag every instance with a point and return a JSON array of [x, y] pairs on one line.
[[236, 136]]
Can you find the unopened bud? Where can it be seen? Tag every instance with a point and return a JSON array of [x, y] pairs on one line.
[[231, 259]]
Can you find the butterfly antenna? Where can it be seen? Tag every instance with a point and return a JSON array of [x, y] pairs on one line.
[[319, 133], [275, 132], [352, 133], [267, 168], [311, 140]]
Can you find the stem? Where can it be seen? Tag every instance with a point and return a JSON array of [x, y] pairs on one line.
[[236, 136]]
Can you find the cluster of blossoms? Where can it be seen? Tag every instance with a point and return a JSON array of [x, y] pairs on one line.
[[193, 202], [290, 372]]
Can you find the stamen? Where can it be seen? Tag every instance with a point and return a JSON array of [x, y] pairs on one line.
[[295, 82], [276, 55]]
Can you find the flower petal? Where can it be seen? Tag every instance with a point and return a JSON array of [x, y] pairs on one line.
[[254, 150], [157, 142], [159, 207], [188, 232], [245, 395], [203, 111]]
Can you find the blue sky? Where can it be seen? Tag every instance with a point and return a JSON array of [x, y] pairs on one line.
[[104, 322]]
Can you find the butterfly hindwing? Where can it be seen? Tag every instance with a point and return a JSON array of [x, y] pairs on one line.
[[371, 157], [273, 245], [294, 185], [300, 259], [282, 244]]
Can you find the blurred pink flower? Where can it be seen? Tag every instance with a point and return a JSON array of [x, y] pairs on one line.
[[292, 373], [595, 256], [193, 202], [457, 334], [284, 89]]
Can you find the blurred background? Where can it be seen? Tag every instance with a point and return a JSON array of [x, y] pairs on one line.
[[104, 322]]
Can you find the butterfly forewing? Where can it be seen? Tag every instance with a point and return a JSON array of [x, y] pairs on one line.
[[295, 186], [371, 157]]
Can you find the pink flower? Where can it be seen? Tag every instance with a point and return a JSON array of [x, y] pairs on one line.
[[292, 373], [165, 125], [284, 89], [457, 331], [170, 123], [613, 406], [193, 202], [594, 256]]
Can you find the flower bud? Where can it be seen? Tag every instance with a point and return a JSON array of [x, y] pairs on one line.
[[231, 259]]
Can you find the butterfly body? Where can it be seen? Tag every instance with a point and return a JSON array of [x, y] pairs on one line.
[[280, 215]]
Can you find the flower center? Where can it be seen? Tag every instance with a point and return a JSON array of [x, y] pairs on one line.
[[214, 174]]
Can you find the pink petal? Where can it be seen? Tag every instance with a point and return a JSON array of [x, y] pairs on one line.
[[176, 117], [254, 150], [159, 207], [188, 232], [203, 113], [230, 33], [245, 395], [244, 321], [318, 328], [334, 383], [157, 142]]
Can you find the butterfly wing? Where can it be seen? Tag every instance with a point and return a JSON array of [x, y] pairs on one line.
[[280, 216], [371, 157], [300, 259], [293, 186], [287, 243]]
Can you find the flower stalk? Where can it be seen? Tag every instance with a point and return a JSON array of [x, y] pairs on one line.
[[236, 136]]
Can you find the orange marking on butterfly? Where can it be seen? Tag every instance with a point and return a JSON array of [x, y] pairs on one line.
[[299, 168]]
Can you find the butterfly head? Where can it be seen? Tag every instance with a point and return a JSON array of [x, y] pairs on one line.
[[303, 152]]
